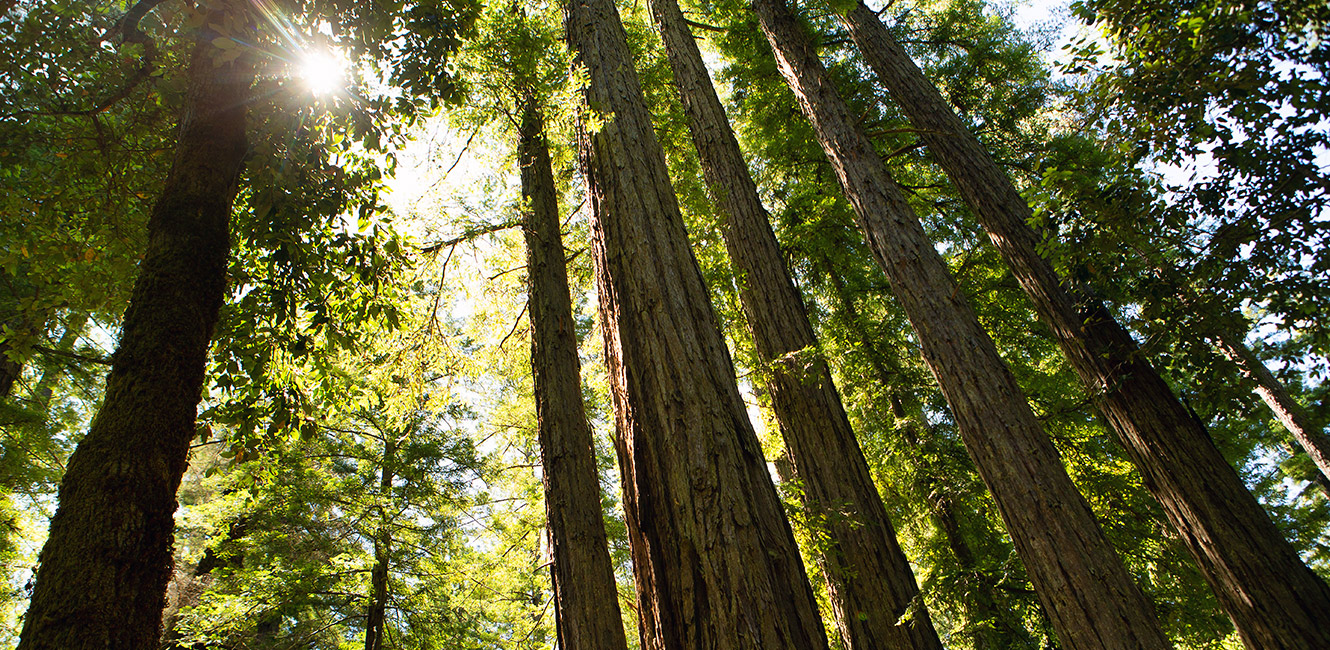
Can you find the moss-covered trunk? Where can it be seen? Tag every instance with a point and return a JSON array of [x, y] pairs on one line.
[[103, 573]]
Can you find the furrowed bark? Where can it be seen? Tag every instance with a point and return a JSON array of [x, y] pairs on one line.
[[1092, 601], [715, 560], [586, 600], [102, 579], [1274, 600], [871, 586]]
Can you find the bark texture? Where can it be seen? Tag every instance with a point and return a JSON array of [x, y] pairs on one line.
[[989, 626], [715, 560], [102, 579], [1091, 599], [586, 601], [1281, 403], [872, 589], [1274, 600]]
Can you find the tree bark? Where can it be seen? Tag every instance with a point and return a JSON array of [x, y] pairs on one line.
[[383, 540], [990, 627], [1281, 403], [1274, 600], [715, 559], [586, 602], [872, 589], [1091, 599], [102, 579]]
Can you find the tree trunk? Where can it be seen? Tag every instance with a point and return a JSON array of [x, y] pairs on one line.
[[1272, 391], [1273, 598], [715, 559], [9, 371], [102, 579], [1091, 599], [586, 602], [871, 586], [383, 539], [989, 626]]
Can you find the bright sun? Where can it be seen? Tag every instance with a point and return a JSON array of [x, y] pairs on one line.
[[322, 72]]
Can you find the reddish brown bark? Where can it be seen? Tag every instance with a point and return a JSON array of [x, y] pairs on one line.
[[586, 601], [715, 560], [1091, 599], [869, 581], [1272, 597]]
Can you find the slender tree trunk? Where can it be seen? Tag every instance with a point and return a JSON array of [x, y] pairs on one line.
[[102, 579], [1273, 598], [871, 586], [586, 601], [1092, 600], [1272, 391], [383, 540], [715, 560]]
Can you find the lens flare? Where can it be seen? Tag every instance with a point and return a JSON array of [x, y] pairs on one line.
[[323, 73]]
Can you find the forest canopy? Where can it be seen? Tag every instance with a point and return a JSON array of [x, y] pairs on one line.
[[779, 324]]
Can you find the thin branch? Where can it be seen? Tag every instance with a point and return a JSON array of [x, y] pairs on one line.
[[710, 28], [471, 234], [72, 355], [514, 329]]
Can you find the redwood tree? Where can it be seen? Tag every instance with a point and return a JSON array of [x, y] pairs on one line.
[[1091, 600], [1274, 599], [715, 560], [586, 601], [871, 586]]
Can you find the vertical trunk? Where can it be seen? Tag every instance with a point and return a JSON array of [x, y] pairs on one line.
[[1091, 599], [586, 602], [102, 579], [1272, 391], [715, 560], [871, 586], [1273, 598], [383, 539]]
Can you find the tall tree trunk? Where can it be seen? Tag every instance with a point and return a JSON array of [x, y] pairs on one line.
[[1291, 414], [990, 627], [1092, 600], [871, 586], [586, 602], [102, 579], [1272, 597], [715, 560], [383, 540]]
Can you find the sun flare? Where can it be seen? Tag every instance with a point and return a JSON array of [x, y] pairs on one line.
[[322, 72]]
